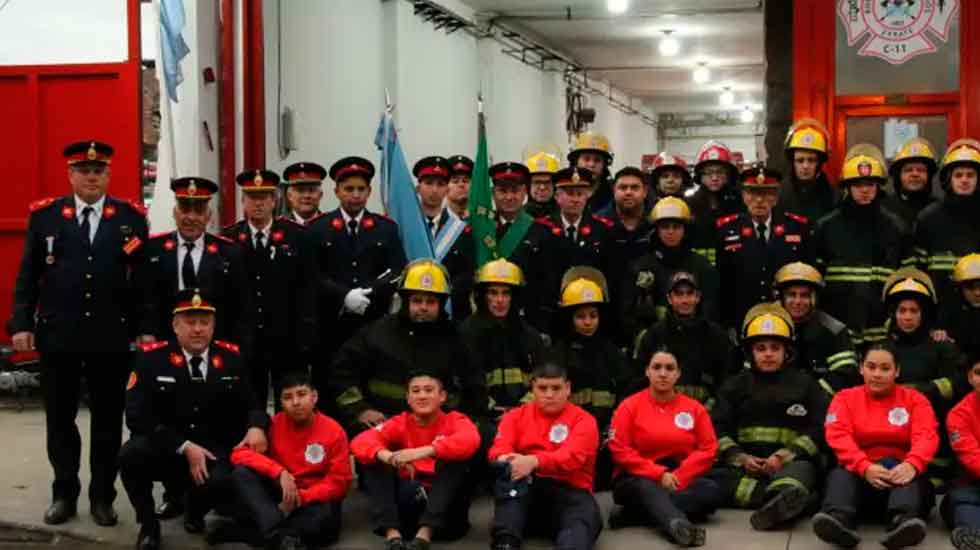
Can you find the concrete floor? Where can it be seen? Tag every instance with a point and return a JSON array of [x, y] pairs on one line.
[[25, 489]]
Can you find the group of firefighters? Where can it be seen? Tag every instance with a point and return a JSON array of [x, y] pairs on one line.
[[687, 341]]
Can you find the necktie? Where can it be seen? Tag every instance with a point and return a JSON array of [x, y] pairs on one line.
[[353, 227], [260, 245], [196, 373], [187, 270], [86, 226], [432, 226], [570, 231], [761, 228]]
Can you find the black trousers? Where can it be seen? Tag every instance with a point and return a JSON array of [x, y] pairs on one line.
[[399, 503], [854, 498], [142, 461], [265, 365], [317, 523], [644, 498], [105, 375], [552, 509]]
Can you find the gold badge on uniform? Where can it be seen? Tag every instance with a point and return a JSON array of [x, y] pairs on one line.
[[575, 177], [257, 180], [761, 178], [192, 188], [196, 300]]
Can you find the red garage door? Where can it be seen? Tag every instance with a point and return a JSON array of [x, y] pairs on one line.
[[43, 107]]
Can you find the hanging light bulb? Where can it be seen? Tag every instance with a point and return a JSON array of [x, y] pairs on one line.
[[618, 6], [747, 115], [727, 97], [669, 46], [702, 74]]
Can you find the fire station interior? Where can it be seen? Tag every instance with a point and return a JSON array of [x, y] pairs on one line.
[[268, 83]]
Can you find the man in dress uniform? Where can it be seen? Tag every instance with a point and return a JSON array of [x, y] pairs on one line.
[[460, 174], [188, 404], [432, 177], [276, 259], [752, 246], [190, 257], [357, 257], [570, 237], [304, 191], [72, 299]]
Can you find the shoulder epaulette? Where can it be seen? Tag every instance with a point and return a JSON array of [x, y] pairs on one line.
[[545, 221], [291, 221], [797, 217], [137, 206], [161, 234], [146, 348], [227, 346], [604, 220], [222, 238], [381, 216], [726, 220], [42, 204]]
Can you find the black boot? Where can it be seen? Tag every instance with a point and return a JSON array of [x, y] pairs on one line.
[[685, 533], [905, 530], [965, 538], [60, 511], [787, 504], [835, 529]]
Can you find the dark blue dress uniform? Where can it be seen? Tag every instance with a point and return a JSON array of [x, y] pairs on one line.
[[278, 268], [746, 262], [76, 296], [371, 256], [220, 275], [167, 404], [548, 251]]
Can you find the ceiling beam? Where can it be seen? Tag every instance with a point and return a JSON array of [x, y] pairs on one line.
[[570, 14], [650, 68]]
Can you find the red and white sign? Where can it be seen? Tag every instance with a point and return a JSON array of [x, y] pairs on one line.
[[899, 29]]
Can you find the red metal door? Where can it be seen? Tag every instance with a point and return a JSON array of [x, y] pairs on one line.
[[44, 107]]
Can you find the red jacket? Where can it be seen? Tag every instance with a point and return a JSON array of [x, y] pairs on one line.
[[452, 435], [316, 455], [565, 444], [862, 429], [645, 431], [963, 425]]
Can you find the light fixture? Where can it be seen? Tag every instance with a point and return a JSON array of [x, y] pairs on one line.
[[669, 46], [727, 97], [746, 115], [618, 6], [702, 74]]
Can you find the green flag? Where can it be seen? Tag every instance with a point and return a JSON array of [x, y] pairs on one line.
[[481, 201]]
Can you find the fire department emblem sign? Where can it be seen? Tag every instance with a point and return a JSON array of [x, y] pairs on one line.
[[684, 420], [898, 416], [898, 29], [558, 433], [314, 453]]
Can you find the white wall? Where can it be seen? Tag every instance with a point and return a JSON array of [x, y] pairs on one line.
[[339, 56]]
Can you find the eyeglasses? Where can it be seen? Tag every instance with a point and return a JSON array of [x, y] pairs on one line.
[[98, 170], [715, 171]]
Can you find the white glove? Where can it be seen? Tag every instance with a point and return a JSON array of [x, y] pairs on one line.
[[357, 300]]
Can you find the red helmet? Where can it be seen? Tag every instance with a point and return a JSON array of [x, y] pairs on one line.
[[716, 152], [665, 161]]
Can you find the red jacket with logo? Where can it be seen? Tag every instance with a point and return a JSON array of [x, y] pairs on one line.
[[645, 431], [862, 429], [452, 435], [564, 444], [316, 455], [963, 425]]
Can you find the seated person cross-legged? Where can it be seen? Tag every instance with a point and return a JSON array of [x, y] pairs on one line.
[[293, 493], [662, 443], [415, 467], [884, 436]]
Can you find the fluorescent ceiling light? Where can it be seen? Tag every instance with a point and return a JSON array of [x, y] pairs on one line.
[[746, 115], [669, 46], [618, 6], [702, 74], [726, 98]]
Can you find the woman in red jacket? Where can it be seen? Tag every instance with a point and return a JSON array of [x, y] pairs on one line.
[[415, 466], [884, 436], [662, 443]]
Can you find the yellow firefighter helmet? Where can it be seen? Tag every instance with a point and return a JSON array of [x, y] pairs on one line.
[[967, 269], [965, 151], [591, 142], [798, 273], [670, 208], [908, 281], [500, 272], [542, 163], [808, 134], [425, 275], [767, 320], [916, 149], [583, 285], [863, 161]]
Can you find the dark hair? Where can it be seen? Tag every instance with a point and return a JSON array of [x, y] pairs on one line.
[[295, 378], [666, 350], [885, 345], [549, 368], [631, 171], [424, 373]]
